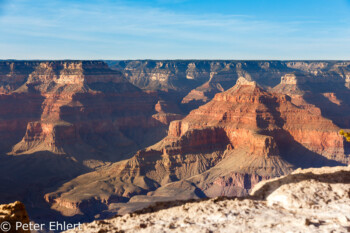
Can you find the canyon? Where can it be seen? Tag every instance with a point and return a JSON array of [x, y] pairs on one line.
[[85, 140], [242, 136], [197, 81], [60, 119]]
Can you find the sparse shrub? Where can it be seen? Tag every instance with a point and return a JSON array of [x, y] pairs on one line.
[[346, 135]]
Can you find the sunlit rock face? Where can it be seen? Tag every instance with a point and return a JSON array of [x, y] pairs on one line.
[[225, 147]]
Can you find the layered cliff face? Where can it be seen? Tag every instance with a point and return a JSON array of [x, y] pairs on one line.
[[60, 119], [187, 75], [224, 147], [329, 97], [246, 110], [198, 81], [167, 112], [74, 107]]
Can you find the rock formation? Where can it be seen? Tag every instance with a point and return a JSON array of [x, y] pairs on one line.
[[167, 112], [60, 119], [82, 103], [198, 81], [10, 214], [78, 108], [311, 200], [244, 135], [308, 92]]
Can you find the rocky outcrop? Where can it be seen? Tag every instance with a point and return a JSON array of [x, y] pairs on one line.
[[324, 174], [201, 95], [311, 200], [224, 147], [13, 213], [167, 112]]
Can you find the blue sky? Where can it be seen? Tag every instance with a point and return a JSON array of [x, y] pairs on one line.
[[175, 29]]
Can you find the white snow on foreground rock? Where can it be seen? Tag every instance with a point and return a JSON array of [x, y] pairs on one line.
[[310, 200]]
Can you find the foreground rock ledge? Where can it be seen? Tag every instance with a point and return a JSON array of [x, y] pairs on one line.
[[10, 214], [310, 200]]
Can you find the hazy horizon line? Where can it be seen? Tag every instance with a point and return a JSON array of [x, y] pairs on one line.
[[175, 59]]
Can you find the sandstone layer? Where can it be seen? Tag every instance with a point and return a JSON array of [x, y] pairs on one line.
[[198, 81], [81, 108], [312, 200], [330, 97], [223, 148], [60, 119]]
